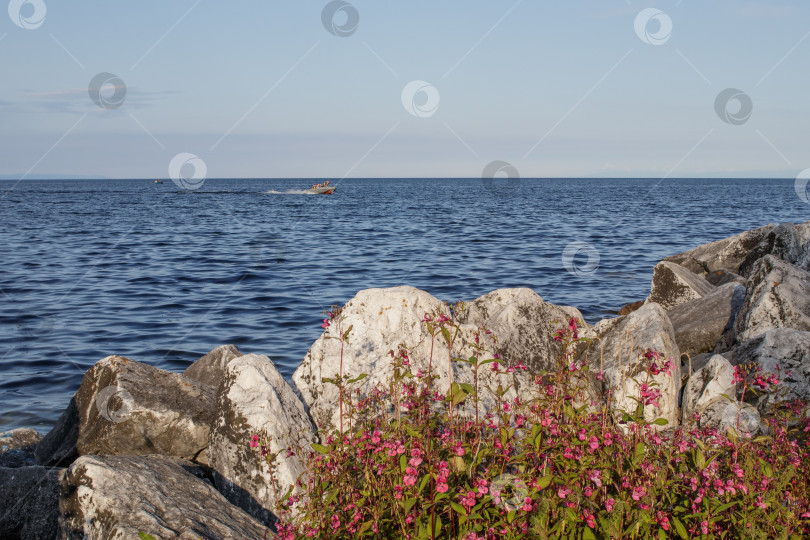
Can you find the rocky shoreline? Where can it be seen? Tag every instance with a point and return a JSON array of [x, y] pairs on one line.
[[142, 449]]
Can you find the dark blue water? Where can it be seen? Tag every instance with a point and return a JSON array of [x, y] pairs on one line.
[[93, 268]]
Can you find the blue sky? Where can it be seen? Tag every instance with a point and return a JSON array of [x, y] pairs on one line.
[[262, 89]]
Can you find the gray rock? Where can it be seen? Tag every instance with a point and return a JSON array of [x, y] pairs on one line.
[[784, 352], [700, 323], [116, 497], [694, 266], [382, 319], [627, 309], [721, 414], [727, 253], [125, 407], [620, 344], [786, 241], [210, 369], [17, 447], [713, 380], [29, 503], [723, 276], [524, 325], [777, 296], [255, 399], [673, 284]]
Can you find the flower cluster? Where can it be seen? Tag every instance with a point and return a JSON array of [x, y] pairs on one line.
[[539, 465]]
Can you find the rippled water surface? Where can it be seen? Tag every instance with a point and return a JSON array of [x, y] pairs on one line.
[[93, 268]]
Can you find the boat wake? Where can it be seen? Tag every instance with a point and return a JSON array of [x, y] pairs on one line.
[[290, 192]]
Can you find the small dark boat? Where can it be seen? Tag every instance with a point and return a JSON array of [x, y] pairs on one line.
[[158, 181], [323, 190]]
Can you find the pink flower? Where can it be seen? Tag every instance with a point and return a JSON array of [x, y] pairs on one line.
[[325, 323], [415, 461], [410, 476], [375, 437], [704, 527], [527, 504], [397, 492], [335, 521], [596, 477], [590, 520], [563, 492], [254, 441], [609, 504], [442, 487], [594, 443]]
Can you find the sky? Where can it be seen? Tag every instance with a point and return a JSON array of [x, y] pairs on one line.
[[334, 89]]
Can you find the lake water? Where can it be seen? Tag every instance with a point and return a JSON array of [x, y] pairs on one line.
[[161, 275]]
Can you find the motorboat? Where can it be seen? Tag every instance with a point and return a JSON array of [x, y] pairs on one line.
[[158, 181], [323, 190]]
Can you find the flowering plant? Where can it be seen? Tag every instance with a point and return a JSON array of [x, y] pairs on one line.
[[542, 465]]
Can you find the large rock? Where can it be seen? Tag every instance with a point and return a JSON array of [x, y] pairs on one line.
[[787, 241], [29, 503], [778, 296], [723, 276], [673, 284], [17, 447], [116, 497], [618, 351], [210, 369], [255, 399], [524, 325], [779, 351], [727, 253], [125, 407], [700, 323], [713, 380], [382, 319]]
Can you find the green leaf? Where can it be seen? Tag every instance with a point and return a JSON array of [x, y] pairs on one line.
[[321, 449], [446, 334], [467, 387], [724, 507], [364, 527], [545, 481], [461, 360], [639, 455], [700, 459], [403, 463], [767, 468], [487, 361], [510, 517], [437, 527], [661, 421], [409, 504], [145, 536], [679, 528], [662, 535], [587, 534], [424, 482], [358, 378], [458, 508], [731, 433]]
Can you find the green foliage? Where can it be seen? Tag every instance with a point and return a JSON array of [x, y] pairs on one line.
[[419, 463]]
